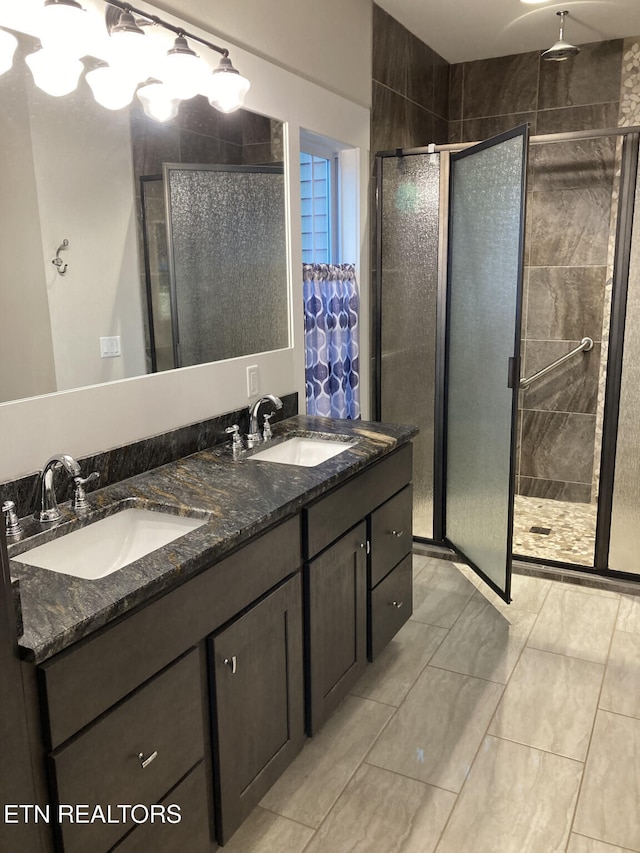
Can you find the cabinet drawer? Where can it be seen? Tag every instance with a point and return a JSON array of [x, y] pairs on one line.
[[102, 766], [391, 606], [192, 833], [83, 682], [391, 534], [337, 512]]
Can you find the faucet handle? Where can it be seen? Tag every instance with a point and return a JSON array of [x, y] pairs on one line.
[[236, 445], [267, 433], [12, 525], [79, 496]]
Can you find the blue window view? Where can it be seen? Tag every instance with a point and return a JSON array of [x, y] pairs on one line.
[[315, 184]]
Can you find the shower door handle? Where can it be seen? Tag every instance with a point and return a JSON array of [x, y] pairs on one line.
[[511, 376]]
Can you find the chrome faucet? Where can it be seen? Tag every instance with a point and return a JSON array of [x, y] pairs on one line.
[[253, 436], [46, 503]]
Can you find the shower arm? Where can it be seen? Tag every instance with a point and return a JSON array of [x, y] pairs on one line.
[[584, 346]]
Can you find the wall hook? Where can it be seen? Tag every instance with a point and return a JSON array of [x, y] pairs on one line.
[[58, 263]]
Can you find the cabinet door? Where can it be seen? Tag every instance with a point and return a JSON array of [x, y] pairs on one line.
[[258, 702], [336, 601]]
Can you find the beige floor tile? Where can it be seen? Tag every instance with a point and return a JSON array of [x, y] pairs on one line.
[[485, 641], [629, 614], [621, 688], [440, 594], [587, 590], [382, 812], [527, 593], [580, 844], [608, 804], [418, 563], [575, 624], [264, 832], [435, 733], [469, 574], [516, 800], [550, 703], [313, 782], [390, 677]]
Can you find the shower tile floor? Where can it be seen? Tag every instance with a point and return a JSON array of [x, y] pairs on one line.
[[572, 529], [482, 728]]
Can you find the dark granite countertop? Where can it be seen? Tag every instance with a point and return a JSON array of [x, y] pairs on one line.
[[238, 498]]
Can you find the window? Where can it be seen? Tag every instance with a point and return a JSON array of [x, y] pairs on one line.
[[319, 219]]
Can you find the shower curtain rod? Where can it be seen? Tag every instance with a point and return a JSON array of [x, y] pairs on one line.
[[566, 136]]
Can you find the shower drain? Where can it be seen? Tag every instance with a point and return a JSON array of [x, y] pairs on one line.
[[543, 531]]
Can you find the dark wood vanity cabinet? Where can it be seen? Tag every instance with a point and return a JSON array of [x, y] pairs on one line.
[[129, 718], [200, 698], [257, 702], [357, 544]]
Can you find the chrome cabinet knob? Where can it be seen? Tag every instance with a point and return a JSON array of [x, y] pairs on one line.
[[232, 663], [397, 533], [145, 762], [397, 604]]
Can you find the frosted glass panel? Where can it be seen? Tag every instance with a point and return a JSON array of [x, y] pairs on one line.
[[484, 297], [228, 260], [410, 199], [624, 549]]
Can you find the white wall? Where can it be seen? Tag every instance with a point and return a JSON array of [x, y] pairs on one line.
[[26, 356], [328, 42], [84, 178], [88, 420]]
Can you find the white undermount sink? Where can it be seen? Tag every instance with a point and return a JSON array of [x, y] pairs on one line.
[[302, 450], [107, 545]]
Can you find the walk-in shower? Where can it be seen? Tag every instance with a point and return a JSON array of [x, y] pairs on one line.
[[577, 471]]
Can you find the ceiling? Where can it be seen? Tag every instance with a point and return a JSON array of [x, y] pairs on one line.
[[478, 29]]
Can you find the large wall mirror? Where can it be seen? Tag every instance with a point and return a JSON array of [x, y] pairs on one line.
[[176, 238]]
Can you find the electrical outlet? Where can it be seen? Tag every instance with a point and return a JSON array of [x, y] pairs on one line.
[[110, 347], [253, 383]]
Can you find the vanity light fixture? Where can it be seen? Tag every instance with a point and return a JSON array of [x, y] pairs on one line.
[[158, 101], [111, 87], [8, 44], [227, 88], [183, 70], [65, 36], [54, 72], [64, 25], [129, 48]]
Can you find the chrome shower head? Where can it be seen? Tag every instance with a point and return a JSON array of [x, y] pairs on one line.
[[561, 49]]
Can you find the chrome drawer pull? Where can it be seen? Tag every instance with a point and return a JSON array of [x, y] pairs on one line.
[[397, 604], [232, 663], [145, 762], [397, 533]]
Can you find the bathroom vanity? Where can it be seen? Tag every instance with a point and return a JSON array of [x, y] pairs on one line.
[[192, 676]]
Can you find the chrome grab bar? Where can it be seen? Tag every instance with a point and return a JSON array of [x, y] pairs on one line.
[[584, 346]]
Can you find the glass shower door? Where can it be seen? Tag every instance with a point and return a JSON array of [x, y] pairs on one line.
[[484, 296]]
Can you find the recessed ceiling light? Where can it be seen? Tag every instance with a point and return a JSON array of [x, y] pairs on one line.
[[532, 2]]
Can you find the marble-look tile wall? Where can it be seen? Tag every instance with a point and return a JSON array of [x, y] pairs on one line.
[[567, 263], [410, 88]]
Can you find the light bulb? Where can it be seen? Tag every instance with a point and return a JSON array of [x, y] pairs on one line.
[[55, 73], [227, 88], [183, 71], [158, 101], [64, 27], [129, 47], [111, 88], [8, 44]]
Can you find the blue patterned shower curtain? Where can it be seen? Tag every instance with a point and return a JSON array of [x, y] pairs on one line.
[[331, 323]]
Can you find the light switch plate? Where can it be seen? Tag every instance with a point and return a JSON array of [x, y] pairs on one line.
[[110, 347], [253, 381]]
